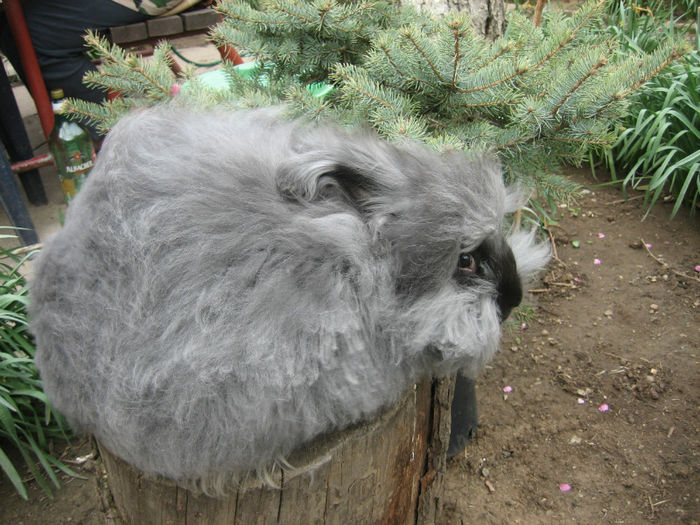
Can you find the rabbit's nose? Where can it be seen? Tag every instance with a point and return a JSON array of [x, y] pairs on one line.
[[510, 289], [508, 299]]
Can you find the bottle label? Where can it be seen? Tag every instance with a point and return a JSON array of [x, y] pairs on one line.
[[77, 166], [74, 173]]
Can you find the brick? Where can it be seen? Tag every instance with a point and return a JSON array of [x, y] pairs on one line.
[[166, 25], [199, 19], [128, 33]]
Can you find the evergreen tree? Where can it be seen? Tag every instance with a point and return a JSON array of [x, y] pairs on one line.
[[536, 97]]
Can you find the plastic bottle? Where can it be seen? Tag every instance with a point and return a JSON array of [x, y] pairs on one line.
[[72, 149]]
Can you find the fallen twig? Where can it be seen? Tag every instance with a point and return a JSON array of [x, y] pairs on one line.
[[567, 285], [620, 201], [654, 505], [554, 247], [665, 265]]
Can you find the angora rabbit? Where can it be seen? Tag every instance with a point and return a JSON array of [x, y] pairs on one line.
[[229, 286]]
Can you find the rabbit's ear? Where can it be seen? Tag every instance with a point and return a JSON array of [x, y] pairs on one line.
[[346, 172]]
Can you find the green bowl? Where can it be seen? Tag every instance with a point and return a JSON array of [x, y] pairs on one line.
[[219, 79]]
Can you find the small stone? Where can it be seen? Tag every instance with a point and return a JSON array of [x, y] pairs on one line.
[[608, 313], [654, 307], [575, 440], [545, 333], [485, 472]]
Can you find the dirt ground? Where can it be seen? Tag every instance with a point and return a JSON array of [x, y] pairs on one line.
[[615, 326], [590, 412]]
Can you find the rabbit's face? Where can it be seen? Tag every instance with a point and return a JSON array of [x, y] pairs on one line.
[[437, 221], [457, 312], [457, 277]]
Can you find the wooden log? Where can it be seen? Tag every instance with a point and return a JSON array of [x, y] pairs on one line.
[[387, 471]]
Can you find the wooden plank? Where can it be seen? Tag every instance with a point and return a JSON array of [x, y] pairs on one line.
[[199, 19], [164, 26], [128, 33]]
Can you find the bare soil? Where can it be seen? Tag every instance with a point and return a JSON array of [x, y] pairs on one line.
[[622, 334]]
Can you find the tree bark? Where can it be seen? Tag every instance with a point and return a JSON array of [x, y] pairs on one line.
[[488, 16], [387, 471]]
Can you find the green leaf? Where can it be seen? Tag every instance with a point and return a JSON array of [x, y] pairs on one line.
[[9, 469]]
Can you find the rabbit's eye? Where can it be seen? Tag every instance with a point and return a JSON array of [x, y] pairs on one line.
[[467, 263]]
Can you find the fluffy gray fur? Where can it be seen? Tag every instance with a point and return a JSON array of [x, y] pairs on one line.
[[229, 286]]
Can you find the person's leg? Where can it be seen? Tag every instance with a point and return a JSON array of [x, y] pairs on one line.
[[57, 28]]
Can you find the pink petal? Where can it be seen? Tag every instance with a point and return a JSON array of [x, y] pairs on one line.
[[648, 245], [507, 389], [603, 408], [580, 401], [174, 89], [524, 325], [577, 280], [596, 261], [564, 487], [697, 268], [601, 236]]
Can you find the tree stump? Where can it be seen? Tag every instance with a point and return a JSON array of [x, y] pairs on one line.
[[387, 471]]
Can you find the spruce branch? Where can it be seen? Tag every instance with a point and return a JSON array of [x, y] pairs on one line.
[[586, 14], [518, 71], [600, 63], [408, 34], [456, 54], [348, 75], [505, 48], [247, 15], [352, 13], [676, 53], [152, 80], [89, 111], [403, 74], [484, 105], [126, 65], [295, 16]]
